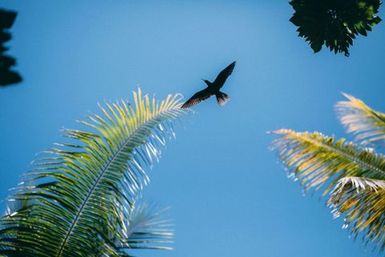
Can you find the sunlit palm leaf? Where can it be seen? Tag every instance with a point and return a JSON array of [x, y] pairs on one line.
[[342, 168], [362, 201], [367, 124], [316, 159], [78, 195]]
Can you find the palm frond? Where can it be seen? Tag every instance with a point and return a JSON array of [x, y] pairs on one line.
[[148, 229], [366, 124], [362, 201], [359, 183], [354, 177], [316, 159], [79, 193]]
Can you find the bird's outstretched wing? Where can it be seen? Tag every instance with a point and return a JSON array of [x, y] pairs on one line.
[[197, 98], [223, 75]]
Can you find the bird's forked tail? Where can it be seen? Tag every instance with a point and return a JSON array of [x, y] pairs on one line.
[[222, 98]]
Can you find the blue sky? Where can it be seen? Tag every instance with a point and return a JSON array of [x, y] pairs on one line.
[[229, 194]]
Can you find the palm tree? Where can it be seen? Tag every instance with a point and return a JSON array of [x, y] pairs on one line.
[[351, 174], [81, 197]]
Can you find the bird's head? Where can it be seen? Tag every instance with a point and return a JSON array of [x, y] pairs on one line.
[[208, 83]]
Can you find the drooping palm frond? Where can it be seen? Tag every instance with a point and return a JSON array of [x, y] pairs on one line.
[[354, 177], [362, 201], [148, 229], [366, 124], [316, 159], [77, 197]]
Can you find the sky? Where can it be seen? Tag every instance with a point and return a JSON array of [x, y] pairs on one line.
[[228, 193]]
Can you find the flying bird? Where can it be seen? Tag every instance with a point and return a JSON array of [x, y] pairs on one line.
[[213, 88]]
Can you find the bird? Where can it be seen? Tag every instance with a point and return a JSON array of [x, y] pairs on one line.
[[213, 88]]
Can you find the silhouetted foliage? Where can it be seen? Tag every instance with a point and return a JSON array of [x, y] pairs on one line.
[[334, 23], [7, 76]]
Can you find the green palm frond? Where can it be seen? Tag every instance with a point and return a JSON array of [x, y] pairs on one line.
[[148, 229], [367, 124], [317, 160], [362, 201], [76, 199], [354, 177]]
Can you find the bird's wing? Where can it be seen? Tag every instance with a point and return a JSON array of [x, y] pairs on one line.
[[197, 98], [224, 74]]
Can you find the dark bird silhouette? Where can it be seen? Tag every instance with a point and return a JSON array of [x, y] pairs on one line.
[[213, 88]]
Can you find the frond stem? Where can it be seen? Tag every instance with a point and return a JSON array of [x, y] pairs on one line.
[[92, 190], [81, 208]]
